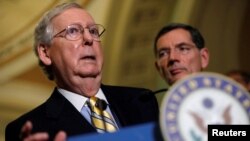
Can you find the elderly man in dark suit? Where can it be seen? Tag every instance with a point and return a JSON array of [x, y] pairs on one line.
[[67, 43]]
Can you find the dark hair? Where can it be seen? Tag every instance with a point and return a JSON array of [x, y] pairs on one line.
[[244, 74], [197, 38]]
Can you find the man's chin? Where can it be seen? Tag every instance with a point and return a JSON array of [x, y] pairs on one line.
[[177, 78], [88, 73]]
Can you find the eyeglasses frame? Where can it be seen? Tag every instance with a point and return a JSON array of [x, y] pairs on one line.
[[64, 36]]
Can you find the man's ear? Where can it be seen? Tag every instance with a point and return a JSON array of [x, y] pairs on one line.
[[204, 57], [43, 54]]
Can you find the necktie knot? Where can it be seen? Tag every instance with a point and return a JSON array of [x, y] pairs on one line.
[[99, 103], [100, 118]]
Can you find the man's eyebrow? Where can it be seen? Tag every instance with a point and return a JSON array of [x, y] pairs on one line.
[[163, 48], [184, 43]]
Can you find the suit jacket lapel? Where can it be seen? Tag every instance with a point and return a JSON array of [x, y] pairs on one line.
[[66, 116], [118, 105]]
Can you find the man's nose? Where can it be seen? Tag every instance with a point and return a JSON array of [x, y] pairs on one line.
[[87, 37], [173, 55]]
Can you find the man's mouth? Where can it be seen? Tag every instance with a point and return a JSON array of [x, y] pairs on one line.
[[175, 71], [89, 57]]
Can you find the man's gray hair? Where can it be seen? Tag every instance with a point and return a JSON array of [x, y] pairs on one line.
[[44, 32]]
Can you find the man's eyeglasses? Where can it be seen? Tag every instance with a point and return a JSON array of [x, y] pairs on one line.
[[75, 31]]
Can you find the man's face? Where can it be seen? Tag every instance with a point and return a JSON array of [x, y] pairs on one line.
[[178, 56], [72, 60]]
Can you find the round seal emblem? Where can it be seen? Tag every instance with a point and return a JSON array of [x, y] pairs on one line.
[[199, 100]]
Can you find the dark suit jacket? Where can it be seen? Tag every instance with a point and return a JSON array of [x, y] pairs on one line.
[[130, 105]]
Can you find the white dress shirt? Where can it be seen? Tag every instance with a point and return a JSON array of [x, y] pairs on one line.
[[80, 103]]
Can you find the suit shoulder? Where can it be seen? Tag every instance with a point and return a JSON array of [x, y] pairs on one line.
[[36, 112]]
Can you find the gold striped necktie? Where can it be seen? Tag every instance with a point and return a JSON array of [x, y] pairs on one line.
[[100, 118]]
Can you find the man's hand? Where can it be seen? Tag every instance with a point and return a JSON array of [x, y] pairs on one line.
[[61, 136], [41, 136]]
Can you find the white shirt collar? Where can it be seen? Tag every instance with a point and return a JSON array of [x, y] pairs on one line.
[[77, 100]]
